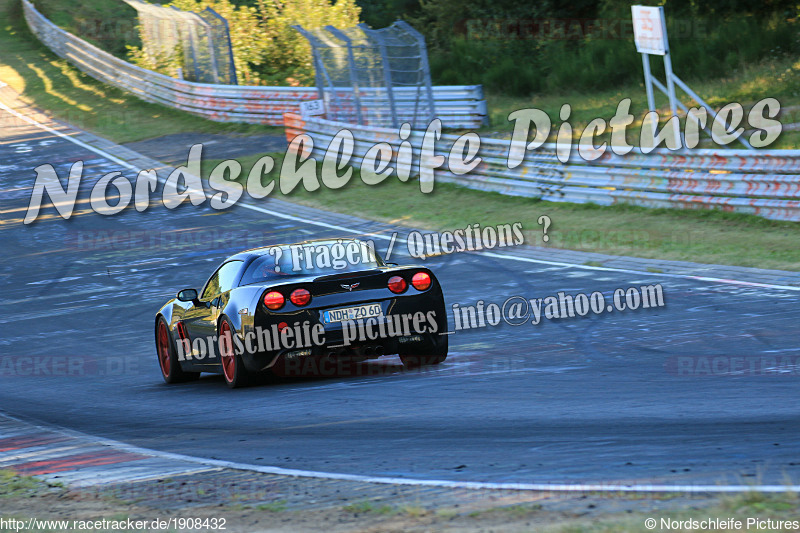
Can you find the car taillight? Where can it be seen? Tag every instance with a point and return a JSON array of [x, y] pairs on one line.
[[300, 297], [421, 281], [397, 284], [274, 300]]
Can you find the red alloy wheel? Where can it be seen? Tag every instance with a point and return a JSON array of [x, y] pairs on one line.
[[228, 360], [163, 349]]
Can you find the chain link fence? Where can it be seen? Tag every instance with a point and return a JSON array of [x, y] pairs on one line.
[[459, 106], [373, 77], [198, 42]]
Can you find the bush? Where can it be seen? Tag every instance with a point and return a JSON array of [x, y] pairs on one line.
[[110, 26], [714, 49], [266, 49], [707, 39], [289, 52]]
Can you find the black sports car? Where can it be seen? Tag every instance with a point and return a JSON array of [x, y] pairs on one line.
[[292, 307]]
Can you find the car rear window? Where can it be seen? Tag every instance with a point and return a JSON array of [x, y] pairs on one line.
[[316, 259]]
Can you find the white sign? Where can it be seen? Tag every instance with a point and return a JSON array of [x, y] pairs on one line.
[[311, 108], [650, 30]]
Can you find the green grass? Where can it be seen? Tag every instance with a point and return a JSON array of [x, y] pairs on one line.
[[704, 236], [277, 506], [761, 502], [714, 46], [52, 84], [517, 511], [372, 508], [13, 485], [368, 507], [746, 86], [109, 25], [413, 511], [740, 507], [447, 514], [691, 235]]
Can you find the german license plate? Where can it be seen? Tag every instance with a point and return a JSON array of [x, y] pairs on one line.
[[351, 313]]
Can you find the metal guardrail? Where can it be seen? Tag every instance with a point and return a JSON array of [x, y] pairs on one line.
[[457, 106], [763, 182]]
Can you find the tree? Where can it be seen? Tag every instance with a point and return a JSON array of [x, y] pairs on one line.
[[266, 49]]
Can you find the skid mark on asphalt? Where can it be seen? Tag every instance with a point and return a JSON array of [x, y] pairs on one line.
[[340, 422], [448, 369]]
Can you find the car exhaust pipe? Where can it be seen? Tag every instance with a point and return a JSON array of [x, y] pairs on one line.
[[378, 351], [368, 351]]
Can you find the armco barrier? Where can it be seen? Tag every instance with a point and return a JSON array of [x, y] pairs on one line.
[[457, 106], [763, 182]]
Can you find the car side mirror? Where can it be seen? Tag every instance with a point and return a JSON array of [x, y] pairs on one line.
[[188, 295]]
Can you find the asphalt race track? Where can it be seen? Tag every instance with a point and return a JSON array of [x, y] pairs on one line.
[[593, 399]]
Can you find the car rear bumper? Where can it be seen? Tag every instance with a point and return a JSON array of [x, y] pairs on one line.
[[409, 324]]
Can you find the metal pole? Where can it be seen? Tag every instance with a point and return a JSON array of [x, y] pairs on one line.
[[416, 104], [212, 52], [707, 107], [317, 76], [233, 79], [661, 87], [671, 93], [352, 65], [192, 47], [189, 27], [423, 52], [648, 82], [319, 72], [178, 33], [387, 73]]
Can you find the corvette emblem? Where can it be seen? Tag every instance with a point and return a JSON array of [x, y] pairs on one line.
[[350, 287]]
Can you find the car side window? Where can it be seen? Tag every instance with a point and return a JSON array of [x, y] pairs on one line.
[[222, 280]]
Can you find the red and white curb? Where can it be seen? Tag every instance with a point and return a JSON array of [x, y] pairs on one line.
[[76, 460], [79, 460]]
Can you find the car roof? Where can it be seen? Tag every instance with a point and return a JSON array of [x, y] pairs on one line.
[[244, 255]]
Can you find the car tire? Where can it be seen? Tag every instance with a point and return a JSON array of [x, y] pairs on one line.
[[168, 362], [233, 369], [434, 354]]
